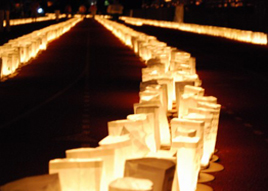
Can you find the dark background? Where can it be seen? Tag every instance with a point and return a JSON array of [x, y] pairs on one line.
[[240, 14]]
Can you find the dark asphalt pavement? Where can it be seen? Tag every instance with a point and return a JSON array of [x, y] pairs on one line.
[[65, 98]]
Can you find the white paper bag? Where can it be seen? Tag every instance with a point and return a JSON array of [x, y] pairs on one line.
[[159, 171], [123, 148], [107, 155], [77, 174], [188, 162], [131, 184]]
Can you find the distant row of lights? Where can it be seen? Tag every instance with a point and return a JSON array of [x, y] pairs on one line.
[[168, 3], [19, 51], [229, 33], [47, 17]]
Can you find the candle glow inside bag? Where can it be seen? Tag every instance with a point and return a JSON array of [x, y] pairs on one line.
[[188, 162], [131, 184], [122, 146], [107, 155], [77, 174], [147, 168]]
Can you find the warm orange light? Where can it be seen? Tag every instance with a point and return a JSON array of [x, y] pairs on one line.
[[133, 128], [179, 90], [107, 156], [49, 3], [131, 184], [189, 128], [188, 163], [207, 117], [159, 171], [153, 110], [187, 124], [156, 97], [147, 121], [122, 146], [190, 101], [234, 34], [22, 49], [215, 108], [77, 174], [193, 90]]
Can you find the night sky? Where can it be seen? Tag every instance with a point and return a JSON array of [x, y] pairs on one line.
[[128, 4], [132, 3]]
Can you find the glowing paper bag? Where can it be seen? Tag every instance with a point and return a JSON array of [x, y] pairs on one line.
[[196, 125], [188, 162], [163, 154], [179, 90], [159, 171], [122, 146], [1, 66], [151, 73], [193, 90], [135, 131], [153, 110], [153, 87], [156, 63], [206, 99], [168, 81], [157, 89], [191, 101], [215, 123], [116, 127], [151, 97], [207, 117], [147, 121], [131, 184], [178, 58], [77, 174], [107, 156]]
